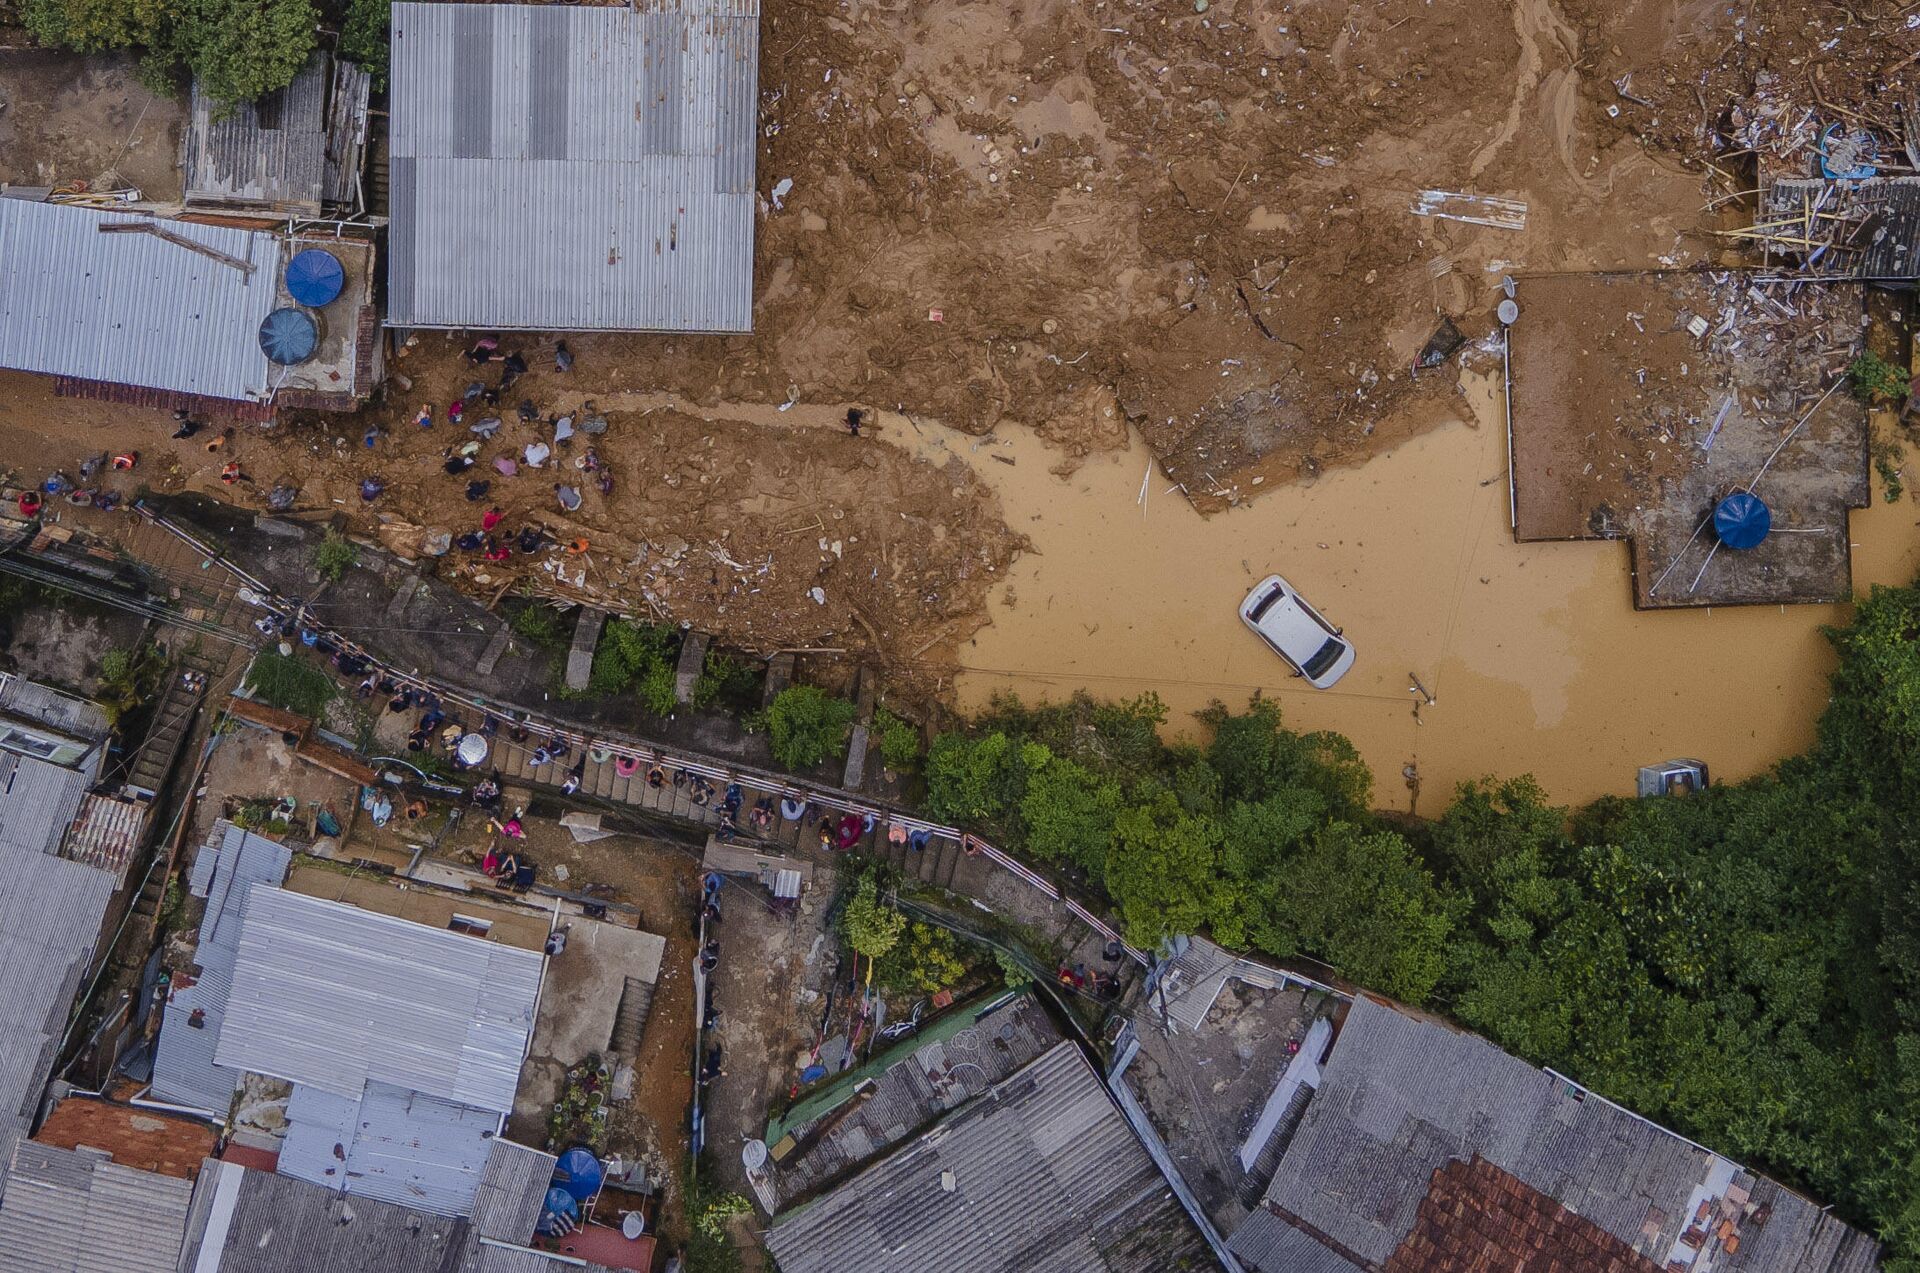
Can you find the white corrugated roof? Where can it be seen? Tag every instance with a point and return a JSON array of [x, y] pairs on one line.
[[571, 167], [133, 309], [333, 996]]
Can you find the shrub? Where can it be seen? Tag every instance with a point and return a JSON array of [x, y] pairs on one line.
[[335, 555], [725, 682], [806, 725], [632, 656], [898, 741], [1875, 380], [927, 960], [290, 684], [128, 678], [541, 624]]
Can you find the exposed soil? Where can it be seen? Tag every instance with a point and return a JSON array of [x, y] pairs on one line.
[[65, 118]]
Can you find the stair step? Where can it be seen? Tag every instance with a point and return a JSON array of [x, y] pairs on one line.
[[630, 1021]]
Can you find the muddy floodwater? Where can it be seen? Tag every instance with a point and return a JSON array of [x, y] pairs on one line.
[[1534, 654]]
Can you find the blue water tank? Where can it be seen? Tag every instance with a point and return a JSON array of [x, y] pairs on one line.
[[579, 1173], [315, 277], [558, 1213], [1742, 520], [288, 336]]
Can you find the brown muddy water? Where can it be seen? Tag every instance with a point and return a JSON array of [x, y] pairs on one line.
[[1533, 652]]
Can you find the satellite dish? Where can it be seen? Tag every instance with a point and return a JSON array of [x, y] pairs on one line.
[[315, 277], [754, 1154], [287, 336]]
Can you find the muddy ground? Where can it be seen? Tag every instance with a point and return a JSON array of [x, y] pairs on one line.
[[65, 118]]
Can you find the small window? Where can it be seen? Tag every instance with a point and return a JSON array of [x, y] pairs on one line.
[[470, 926]]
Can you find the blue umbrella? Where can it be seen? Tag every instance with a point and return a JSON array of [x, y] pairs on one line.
[[315, 277], [288, 336], [1742, 520]]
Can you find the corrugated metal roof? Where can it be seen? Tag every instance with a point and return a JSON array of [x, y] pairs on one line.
[[38, 800], [572, 168], [333, 996], [50, 915], [1401, 1096], [513, 1188], [230, 863], [267, 153], [68, 1211], [953, 1060], [133, 309], [106, 832], [1265, 1243], [67, 713], [281, 1225], [1041, 1173], [392, 1144]]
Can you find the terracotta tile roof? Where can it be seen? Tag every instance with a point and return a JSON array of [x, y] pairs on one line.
[[1476, 1217], [140, 1138]]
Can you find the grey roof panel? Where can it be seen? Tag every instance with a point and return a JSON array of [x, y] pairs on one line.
[[1041, 1174], [132, 308], [1400, 1096], [69, 1211], [393, 1145], [277, 1224], [50, 916], [572, 168], [333, 996], [513, 1188], [1264, 1243], [227, 866]]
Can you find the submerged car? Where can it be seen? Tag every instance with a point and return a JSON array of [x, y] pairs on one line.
[[1296, 632]]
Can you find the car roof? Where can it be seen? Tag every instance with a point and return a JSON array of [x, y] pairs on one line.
[[1288, 624]]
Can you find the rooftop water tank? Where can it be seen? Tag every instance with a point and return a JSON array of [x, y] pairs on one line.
[[314, 277], [288, 336], [579, 1173], [1742, 520]]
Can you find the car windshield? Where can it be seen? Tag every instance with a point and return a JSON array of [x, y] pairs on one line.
[[1323, 658], [1265, 603]]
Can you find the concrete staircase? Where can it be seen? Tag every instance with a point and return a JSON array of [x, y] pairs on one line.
[[636, 1001], [172, 722]]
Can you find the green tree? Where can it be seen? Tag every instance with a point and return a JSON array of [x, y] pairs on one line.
[[806, 725], [364, 38], [1068, 813], [870, 926], [127, 679], [238, 50], [897, 739], [1162, 870], [1359, 900]]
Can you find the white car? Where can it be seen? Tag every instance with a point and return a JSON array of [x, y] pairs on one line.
[[1295, 631]]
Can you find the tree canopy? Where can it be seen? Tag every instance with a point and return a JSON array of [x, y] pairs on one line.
[[1742, 964], [238, 49]]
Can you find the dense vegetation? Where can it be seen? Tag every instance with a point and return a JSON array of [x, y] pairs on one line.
[[1741, 965], [238, 49]]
